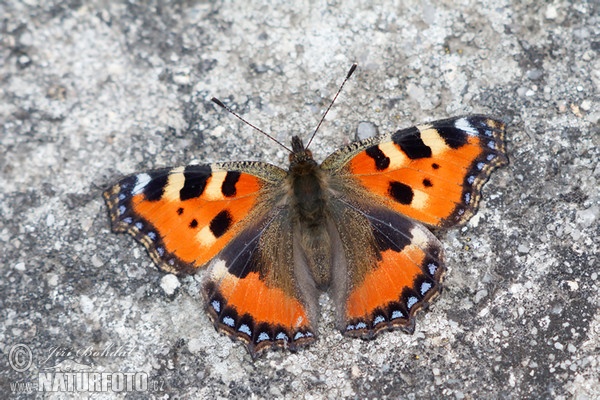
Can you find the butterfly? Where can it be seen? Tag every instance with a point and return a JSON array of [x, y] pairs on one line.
[[355, 225]]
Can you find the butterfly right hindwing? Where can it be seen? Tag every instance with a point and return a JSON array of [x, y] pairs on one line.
[[393, 269]]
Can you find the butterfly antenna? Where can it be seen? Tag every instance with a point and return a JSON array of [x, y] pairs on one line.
[[219, 103], [350, 72]]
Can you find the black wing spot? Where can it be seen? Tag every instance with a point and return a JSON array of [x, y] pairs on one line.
[[221, 223], [193, 224], [454, 137], [435, 166], [427, 183], [195, 177], [228, 187], [381, 160], [412, 145], [179, 211], [156, 187], [402, 193]]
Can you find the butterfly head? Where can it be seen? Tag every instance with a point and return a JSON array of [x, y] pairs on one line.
[[300, 154]]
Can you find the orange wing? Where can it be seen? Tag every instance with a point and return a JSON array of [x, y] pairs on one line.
[[432, 173], [392, 265], [256, 292], [394, 268], [185, 216], [225, 217]]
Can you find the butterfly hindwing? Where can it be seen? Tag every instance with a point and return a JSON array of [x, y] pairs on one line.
[[256, 290], [394, 267], [431, 173]]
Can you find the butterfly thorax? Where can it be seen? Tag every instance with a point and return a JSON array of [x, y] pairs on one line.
[[306, 180], [308, 201]]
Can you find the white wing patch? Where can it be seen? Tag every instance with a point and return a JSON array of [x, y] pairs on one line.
[[465, 125], [140, 183]]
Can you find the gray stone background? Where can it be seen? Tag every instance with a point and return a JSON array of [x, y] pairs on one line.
[[92, 91]]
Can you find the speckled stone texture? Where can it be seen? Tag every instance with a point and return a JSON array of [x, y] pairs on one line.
[[93, 90]]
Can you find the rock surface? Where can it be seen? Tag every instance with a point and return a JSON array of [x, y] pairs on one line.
[[92, 91]]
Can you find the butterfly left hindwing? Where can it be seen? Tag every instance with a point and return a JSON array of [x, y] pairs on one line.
[[253, 289]]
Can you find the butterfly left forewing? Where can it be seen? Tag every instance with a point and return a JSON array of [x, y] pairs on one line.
[[184, 216]]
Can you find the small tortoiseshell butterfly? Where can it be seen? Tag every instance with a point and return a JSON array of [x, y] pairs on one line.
[[271, 239]]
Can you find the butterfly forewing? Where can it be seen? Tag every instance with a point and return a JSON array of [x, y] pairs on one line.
[[431, 173]]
